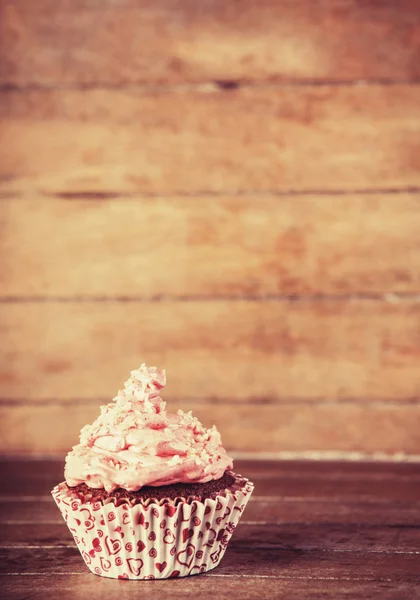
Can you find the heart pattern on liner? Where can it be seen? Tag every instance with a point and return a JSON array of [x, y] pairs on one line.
[[153, 542], [185, 557], [113, 546], [105, 564], [135, 565], [161, 566]]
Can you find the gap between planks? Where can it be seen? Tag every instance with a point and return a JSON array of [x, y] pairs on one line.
[[221, 86], [301, 548], [392, 298], [236, 576], [294, 499], [369, 458], [102, 195], [349, 456]]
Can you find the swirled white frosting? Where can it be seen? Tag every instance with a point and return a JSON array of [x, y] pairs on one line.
[[136, 442]]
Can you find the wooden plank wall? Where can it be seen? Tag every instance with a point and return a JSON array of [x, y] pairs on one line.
[[226, 188]]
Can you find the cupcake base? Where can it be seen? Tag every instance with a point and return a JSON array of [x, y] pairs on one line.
[[185, 491], [153, 538]]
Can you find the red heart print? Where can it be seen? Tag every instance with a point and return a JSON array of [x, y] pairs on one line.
[[169, 537], [186, 534], [113, 546], [140, 546], [90, 521], [161, 566], [123, 576], [215, 557], [119, 530], [135, 565], [175, 574], [111, 516], [170, 510], [78, 521], [96, 544], [185, 557], [211, 538], [185, 513], [208, 509], [126, 518], [87, 558], [105, 564], [198, 569], [230, 527]]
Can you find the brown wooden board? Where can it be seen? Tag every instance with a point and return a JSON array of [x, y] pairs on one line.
[[282, 510], [115, 141], [42, 474], [75, 587], [198, 247], [335, 537], [308, 560], [293, 352], [303, 484], [241, 559], [377, 427], [166, 42]]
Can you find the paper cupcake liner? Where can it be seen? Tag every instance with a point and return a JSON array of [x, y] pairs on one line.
[[152, 541]]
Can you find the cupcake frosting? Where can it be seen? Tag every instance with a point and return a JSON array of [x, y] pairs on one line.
[[136, 442]]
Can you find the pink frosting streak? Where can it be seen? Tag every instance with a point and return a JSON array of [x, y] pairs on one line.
[[135, 442]]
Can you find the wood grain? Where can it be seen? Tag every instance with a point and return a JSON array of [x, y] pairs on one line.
[[284, 509], [326, 537], [79, 586], [373, 474], [240, 559], [360, 487], [238, 351], [50, 428], [125, 141], [322, 558], [264, 245], [135, 41]]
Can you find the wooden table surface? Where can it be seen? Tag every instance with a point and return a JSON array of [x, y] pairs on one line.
[[311, 530]]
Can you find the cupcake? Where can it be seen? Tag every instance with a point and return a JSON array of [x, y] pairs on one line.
[[150, 494]]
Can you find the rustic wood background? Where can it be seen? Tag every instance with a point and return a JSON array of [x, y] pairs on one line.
[[226, 188]]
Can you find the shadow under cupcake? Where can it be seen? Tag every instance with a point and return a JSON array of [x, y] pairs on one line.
[[149, 494]]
